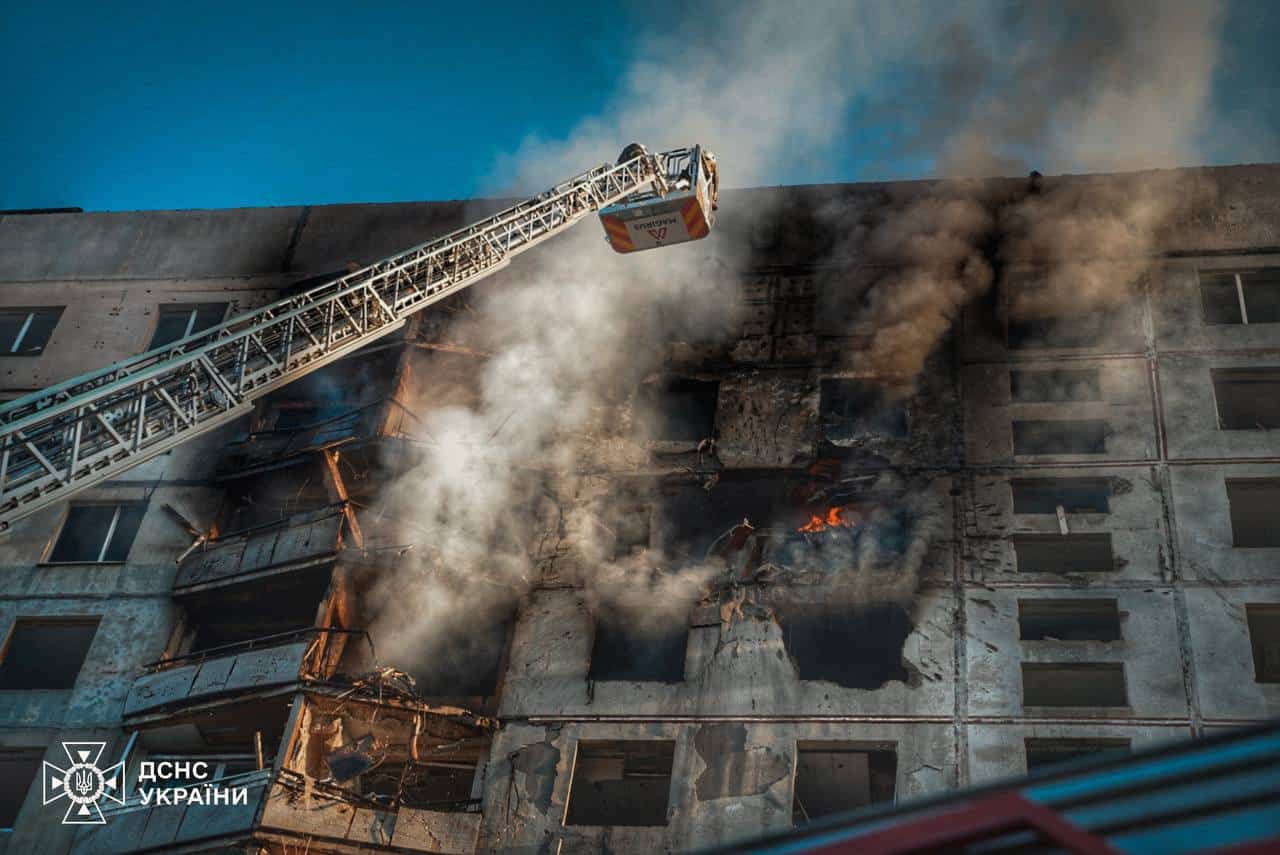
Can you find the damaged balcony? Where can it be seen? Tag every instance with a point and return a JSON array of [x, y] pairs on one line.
[[374, 766], [356, 402], [303, 542], [266, 665]]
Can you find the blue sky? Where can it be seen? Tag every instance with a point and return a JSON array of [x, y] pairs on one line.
[[180, 105]]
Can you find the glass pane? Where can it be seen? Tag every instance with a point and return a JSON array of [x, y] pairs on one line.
[[10, 325], [1262, 295], [208, 315], [1221, 303], [171, 326], [126, 530], [83, 534], [40, 330]]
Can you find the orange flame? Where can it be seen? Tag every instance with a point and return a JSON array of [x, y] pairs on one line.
[[833, 519]]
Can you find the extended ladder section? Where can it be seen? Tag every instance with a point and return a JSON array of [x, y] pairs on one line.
[[70, 436]]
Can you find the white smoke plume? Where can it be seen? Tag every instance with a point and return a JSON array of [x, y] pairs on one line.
[[770, 86]]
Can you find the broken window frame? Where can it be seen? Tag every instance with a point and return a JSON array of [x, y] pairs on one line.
[[660, 396], [44, 318], [1101, 425], [609, 746], [879, 414], [1059, 540], [193, 312], [1096, 668], [1264, 536], [9, 813], [1031, 610], [121, 510], [1244, 376], [1025, 384], [72, 621], [1035, 490], [1078, 747], [1211, 316], [670, 673], [1263, 619], [829, 747]]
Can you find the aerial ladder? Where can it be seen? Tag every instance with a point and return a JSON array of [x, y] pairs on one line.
[[60, 440]]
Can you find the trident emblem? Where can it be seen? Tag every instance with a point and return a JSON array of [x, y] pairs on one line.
[[82, 783]]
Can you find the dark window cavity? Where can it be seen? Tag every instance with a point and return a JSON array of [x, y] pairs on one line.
[[1086, 436], [18, 770], [686, 409], [1264, 633], [178, 320], [1056, 553], [1073, 684], [1255, 512], [835, 777], [1049, 752], [25, 332], [46, 653], [1074, 332], [97, 533], [1248, 398], [1241, 297], [852, 407], [820, 639], [623, 650], [621, 783], [1053, 385], [1068, 620], [1073, 495]]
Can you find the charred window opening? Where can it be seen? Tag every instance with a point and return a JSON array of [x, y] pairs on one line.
[[466, 665], [442, 784], [1241, 297], [833, 777], [1073, 495], [791, 524], [344, 389], [1073, 684], [1072, 553], [1049, 752], [18, 770], [852, 407], [1068, 620], [273, 606], [1059, 332], [46, 653], [274, 496], [820, 639], [226, 732], [623, 650], [684, 409], [176, 321], [1255, 512], [1084, 436], [631, 529], [1264, 635], [1248, 398], [1058, 384], [25, 332], [97, 533], [621, 783]]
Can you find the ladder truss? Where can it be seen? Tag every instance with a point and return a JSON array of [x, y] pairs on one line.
[[70, 436]]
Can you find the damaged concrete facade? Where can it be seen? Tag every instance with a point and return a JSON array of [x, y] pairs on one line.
[[1062, 546]]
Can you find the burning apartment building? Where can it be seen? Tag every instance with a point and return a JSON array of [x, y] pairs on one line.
[[876, 493]]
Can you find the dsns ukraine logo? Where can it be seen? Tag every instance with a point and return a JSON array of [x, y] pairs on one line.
[[83, 784]]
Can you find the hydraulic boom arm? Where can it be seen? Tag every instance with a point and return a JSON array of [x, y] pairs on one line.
[[60, 440]]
